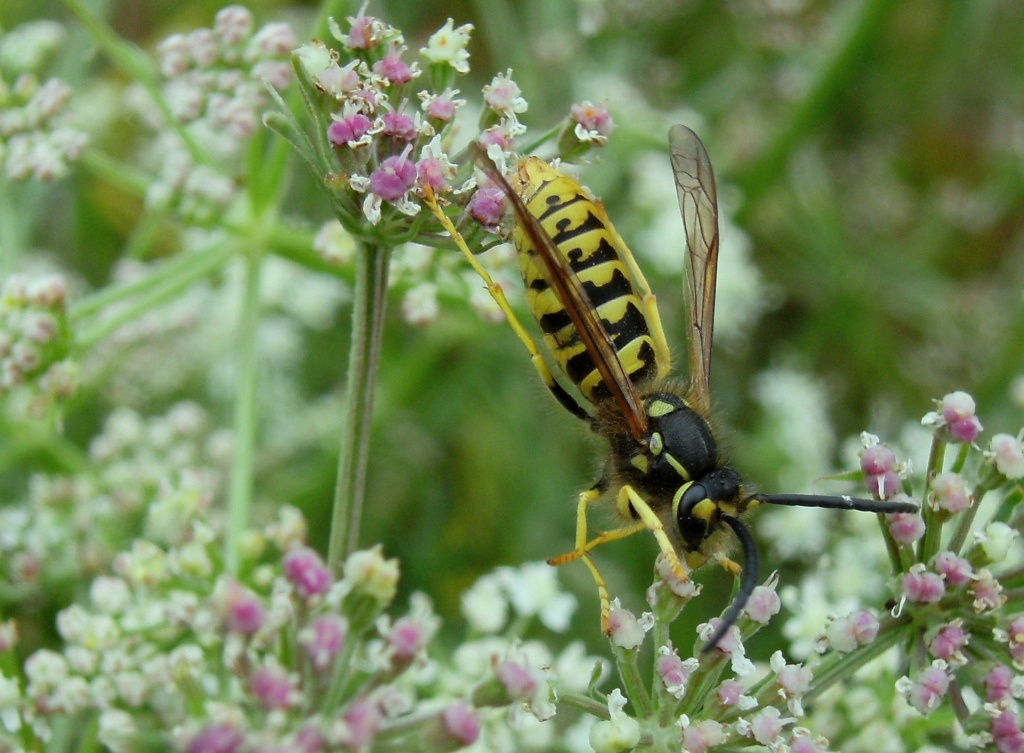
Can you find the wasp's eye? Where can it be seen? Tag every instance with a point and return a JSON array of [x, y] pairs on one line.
[[693, 527]]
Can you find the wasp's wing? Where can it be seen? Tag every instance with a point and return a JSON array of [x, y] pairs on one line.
[[698, 205], [570, 292]]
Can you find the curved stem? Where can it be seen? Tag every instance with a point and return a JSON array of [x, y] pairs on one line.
[[367, 328], [241, 484]]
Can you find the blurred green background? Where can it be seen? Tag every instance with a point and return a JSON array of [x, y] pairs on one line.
[[870, 151]]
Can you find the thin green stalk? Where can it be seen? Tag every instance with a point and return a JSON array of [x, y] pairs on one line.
[[967, 518], [367, 327], [186, 266], [585, 704], [241, 483], [929, 544], [629, 673], [824, 677], [156, 289]]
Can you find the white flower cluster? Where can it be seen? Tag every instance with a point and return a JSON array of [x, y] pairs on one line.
[[37, 136], [144, 477], [215, 90], [34, 341]]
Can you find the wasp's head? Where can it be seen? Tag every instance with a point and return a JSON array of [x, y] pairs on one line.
[[698, 505]]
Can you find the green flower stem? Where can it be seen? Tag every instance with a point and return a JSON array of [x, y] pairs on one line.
[[985, 485], [929, 544], [961, 458], [829, 673], [241, 482], [637, 694], [702, 681], [157, 288], [367, 327], [585, 704], [121, 174]]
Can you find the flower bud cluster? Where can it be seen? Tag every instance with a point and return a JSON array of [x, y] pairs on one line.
[[391, 131], [144, 477], [37, 137], [214, 87], [287, 657], [35, 341]]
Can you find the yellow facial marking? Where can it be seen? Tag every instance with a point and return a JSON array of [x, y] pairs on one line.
[[639, 462], [694, 560], [679, 494], [659, 408], [704, 509]]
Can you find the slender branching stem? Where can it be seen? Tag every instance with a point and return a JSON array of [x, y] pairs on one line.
[[241, 483], [367, 327]]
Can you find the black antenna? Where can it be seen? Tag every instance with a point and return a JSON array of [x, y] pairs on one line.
[[751, 565], [837, 503]]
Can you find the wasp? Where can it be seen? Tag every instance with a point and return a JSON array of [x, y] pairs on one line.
[[665, 471]]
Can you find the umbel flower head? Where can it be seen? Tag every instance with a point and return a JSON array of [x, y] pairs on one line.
[[387, 116]]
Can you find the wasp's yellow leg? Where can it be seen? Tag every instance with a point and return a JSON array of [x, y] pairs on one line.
[[629, 497], [496, 292], [662, 354], [729, 565], [583, 547]]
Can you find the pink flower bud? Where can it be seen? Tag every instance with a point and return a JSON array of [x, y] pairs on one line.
[[408, 637], [948, 642], [730, 692], [883, 485], [362, 720], [999, 684], [399, 126], [1006, 733], [624, 629], [442, 107], [987, 592], [307, 572], [766, 726], [393, 178], [271, 688], [957, 409], [905, 527], [674, 672], [763, 604], [877, 460], [393, 68], [217, 738], [592, 117], [519, 680], [324, 639], [926, 692], [921, 586], [348, 129], [865, 626], [957, 571], [460, 722], [1015, 633], [487, 206], [949, 493], [430, 172], [243, 612], [703, 735]]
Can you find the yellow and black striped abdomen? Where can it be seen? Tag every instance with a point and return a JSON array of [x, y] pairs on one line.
[[582, 232]]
